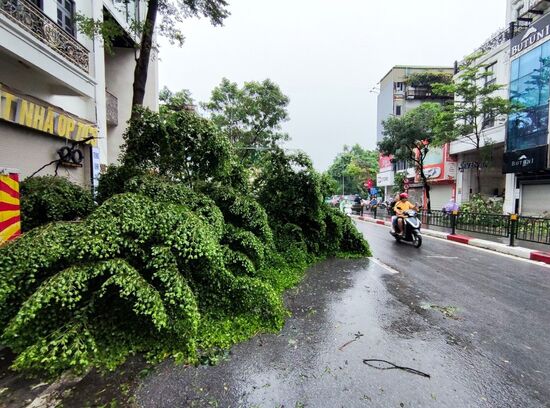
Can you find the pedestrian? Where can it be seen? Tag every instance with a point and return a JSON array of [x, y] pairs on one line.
[[450, 206]]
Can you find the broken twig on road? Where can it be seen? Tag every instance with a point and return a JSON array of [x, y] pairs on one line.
[[392, 366]]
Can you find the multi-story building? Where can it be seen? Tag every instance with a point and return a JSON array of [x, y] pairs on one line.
[[496, 64], [397, 96], [526, 162], [59, 87]]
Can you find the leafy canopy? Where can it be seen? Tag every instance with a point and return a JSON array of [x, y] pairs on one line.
[[354, 165], [250, 116], [475, 105]]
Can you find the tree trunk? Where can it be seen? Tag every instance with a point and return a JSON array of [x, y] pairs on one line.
[[142, 63], [478, 178], [478, 170], [427, 190]]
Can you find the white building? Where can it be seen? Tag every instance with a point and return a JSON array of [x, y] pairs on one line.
[[497, 65], [58, 85], [396, 98]]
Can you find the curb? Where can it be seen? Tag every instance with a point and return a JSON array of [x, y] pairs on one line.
[[519, 252]]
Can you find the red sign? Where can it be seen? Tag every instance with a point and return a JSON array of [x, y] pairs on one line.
[[369, 183]]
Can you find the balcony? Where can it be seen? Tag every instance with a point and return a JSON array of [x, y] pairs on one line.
[[34, 21]]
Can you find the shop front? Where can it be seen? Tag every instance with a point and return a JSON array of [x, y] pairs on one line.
[[525, 161], [42, 139], [440, 169]]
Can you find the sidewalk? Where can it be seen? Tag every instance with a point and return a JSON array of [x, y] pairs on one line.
[[521, 252]]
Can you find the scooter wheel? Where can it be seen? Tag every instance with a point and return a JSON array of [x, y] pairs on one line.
[[417, 240]]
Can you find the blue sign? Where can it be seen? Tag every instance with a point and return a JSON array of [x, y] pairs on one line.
[[373, 191]]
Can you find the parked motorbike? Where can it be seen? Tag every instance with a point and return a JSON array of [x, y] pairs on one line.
[[411, 224]]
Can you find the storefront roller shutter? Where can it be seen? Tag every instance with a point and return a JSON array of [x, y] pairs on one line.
[[535, 199], [440, 195]]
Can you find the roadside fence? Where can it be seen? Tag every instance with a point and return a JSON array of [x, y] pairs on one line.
[[512, 226]]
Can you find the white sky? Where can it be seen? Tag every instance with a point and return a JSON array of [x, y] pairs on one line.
[[326, 55]]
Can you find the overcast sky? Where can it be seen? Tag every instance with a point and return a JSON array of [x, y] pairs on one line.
[[326, 55]]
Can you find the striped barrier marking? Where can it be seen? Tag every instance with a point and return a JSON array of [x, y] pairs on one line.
[[10, 215]]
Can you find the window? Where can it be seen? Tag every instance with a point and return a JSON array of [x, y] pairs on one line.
[[398, 110], [529, 86], [399, 86], [65, 15], [488, 122], [490, 77]]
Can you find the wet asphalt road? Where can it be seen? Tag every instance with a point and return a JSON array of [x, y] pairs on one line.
[[477, 322]]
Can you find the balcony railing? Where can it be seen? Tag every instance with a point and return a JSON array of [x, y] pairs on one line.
[[32, 20]]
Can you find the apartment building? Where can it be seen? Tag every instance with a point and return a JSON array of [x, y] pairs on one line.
[[62, 95], [397, 97]]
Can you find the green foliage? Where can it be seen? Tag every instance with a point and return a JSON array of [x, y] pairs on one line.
[[354, 166], [399, 182], [425, 79], [408, 137], [250, 116], [175, 101], [50, 198], [176, 262], [475, 105], [481, 205], [172, 13]]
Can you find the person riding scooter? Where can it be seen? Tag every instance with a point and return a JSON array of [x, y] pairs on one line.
[[400, 207]]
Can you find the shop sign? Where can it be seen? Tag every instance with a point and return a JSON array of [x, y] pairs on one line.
[[471, 165], [385, 179], [538, 31], [432, 172], [450, 170], [384, 163], [521, 161], [39, 115]]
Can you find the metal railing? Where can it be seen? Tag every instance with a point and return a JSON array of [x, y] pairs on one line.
[[533, 229], [34, 21], [512, 226]]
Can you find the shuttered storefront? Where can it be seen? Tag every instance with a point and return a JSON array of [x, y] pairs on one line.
[[535, 199], [440, 195]]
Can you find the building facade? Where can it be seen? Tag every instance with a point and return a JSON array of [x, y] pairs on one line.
[[62, 95], [495, 59], [525, 161], [396, 98]]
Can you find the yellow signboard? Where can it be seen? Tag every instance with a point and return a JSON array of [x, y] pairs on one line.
[[35, 114]]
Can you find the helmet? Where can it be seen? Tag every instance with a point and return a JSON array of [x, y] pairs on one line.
[[403, 195]]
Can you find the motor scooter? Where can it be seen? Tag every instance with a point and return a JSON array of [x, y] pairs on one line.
[[411, 224]]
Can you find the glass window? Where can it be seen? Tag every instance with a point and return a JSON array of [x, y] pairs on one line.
[[65, 15], [514, 71], [529, 62], [490, 77], [530, 86], [398, 110]]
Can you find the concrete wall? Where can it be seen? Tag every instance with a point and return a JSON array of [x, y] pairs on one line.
[[26, 150], [119, 74]]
